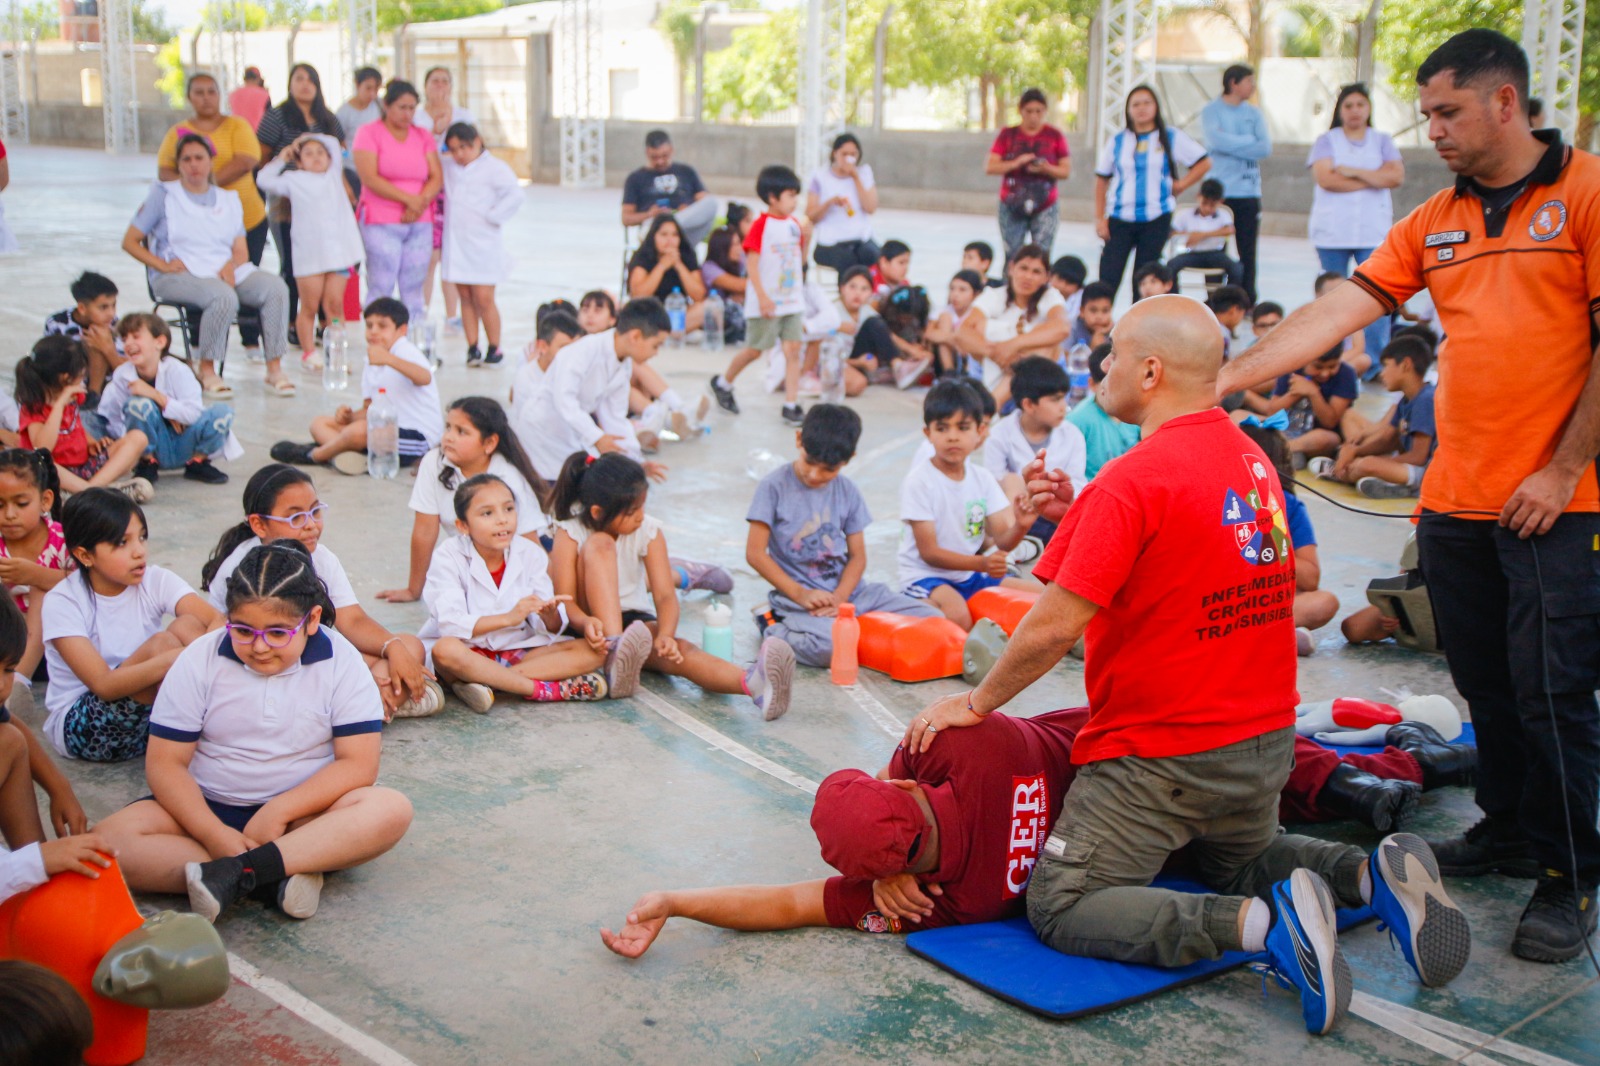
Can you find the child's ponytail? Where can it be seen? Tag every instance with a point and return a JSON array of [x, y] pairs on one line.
[[38, 468], [54, 361], [261, 494], [613, 483], [281, 570], [489, 419]]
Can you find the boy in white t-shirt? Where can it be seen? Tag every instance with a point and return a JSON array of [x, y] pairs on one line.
[[1206, 228], [948, 505], [404, 374], [1039, 386], [774, 301]]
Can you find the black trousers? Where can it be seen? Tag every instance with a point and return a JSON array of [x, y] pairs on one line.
[[1246, 230], [1502, 632], [255, 242], [1143, 240], [846, 254]]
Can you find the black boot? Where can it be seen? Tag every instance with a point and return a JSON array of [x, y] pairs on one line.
[[1443, 764], [1373, 801], [1492, 846], [1558, 920]]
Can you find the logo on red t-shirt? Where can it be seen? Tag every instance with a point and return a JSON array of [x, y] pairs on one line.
[[1030, 808], [877, 922], [1258, 520]]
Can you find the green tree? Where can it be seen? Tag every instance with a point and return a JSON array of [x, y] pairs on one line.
[[151, 26], [392, 14], [41, 20], [169, 60]]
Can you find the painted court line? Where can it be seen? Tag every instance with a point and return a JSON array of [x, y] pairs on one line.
[[1478, 1041], [881, 716], [726, 744], [329, 1023], [1374, 1010], [893, 444]]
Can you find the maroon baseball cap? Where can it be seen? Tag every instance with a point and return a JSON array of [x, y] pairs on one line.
[[866, 827]]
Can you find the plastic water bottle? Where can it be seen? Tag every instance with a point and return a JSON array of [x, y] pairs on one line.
[[335, 357], [717, 636], [1077, 374], [678, 315], [846, 635], [383, 438], [715, 313], [432, 330], [830, 368]]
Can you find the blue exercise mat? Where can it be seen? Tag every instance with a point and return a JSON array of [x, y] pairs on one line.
[[1007, 960], [1467, 739]]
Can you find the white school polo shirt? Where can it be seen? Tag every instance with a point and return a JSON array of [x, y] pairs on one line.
[[1008, 450], [255, 736], [327, 565]]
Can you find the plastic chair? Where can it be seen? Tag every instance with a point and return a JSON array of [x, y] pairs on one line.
[[1210, 279], [184, 320]]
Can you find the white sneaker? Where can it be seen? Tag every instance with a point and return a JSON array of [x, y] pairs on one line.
[[351, 464], [810, 385], [299, 895], [625, 660], [478, 698], [1304, 643], [430, 703], [136, 489], [1320, 465], [908, 371]]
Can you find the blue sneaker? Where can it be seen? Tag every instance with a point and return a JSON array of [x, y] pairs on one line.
[[1303, 949], [1410, 902]]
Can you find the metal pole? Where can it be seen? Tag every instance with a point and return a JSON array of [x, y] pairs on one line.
[[700, 65], [880, 42]]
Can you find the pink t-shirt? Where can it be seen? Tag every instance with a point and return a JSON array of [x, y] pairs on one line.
[[404, 164]]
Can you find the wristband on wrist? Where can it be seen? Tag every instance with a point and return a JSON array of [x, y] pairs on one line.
[[384, 650]]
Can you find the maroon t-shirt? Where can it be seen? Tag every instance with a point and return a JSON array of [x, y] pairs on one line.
[[995, 789], [1049, 144]]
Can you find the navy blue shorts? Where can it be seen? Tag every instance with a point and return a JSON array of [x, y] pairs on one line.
[[235, 818], [920, 590]]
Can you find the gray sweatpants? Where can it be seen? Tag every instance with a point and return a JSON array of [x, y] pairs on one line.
[[811, 637], [219, 305], [1122, 819], [697, 218]]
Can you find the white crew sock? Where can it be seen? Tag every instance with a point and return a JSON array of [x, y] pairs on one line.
[[1257, 920], [671, 398]]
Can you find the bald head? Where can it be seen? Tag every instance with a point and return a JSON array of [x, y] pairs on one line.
[[1166, 354]]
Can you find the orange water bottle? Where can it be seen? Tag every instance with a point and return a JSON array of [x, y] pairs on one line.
[[846, 635]]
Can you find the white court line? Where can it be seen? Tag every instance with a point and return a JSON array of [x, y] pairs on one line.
[[727, 744], [1480, 1040], [881, 716], [892, 444], [329, 1023], [1373, 1010]]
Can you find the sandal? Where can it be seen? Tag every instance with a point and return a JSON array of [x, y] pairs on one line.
[[281, 387], [311, 362], [217, 389]]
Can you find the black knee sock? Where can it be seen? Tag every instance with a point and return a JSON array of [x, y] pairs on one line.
[[263, 866]]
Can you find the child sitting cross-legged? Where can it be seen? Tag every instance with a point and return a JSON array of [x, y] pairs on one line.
[[1316, 400], [1104, 436], [808, 540], [395, 367], [156, 393], [1039, 386], [497, 623], [50, 389], [949, 505], [106, 646], [611, 559], [264, 749], [1386, 459]]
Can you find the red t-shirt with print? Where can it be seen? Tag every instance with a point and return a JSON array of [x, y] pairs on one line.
[[1183, 543], [995, 789], [72, 443]]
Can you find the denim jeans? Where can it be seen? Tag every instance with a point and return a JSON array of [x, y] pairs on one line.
[[1341, 261], [172, 449]]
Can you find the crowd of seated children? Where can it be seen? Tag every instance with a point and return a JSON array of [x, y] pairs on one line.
[[1387, 458], [495, 623], [1068, 275], [610, 558], [946, 325], [1314, 400], [1104, 436], [1153, 278], [1264, 317], [1093, 323], [1205, 229], [807, 539], [1039, 388], [1027, 316], [891, 271], [281, 504], [1314, 606], [50, 388], [394, 366], [950, 506], [156, 393], [92, 319], [978, 257]]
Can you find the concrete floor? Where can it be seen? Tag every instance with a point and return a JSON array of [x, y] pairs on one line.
[[476, 941]]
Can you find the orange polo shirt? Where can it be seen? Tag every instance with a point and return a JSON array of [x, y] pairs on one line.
[[1516, 289]]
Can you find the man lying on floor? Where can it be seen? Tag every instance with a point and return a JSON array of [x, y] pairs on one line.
[[950, 836]]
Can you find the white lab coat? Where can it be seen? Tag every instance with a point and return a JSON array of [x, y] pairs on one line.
[[323, 227], [583, 397], [459, 591], [480, 198]]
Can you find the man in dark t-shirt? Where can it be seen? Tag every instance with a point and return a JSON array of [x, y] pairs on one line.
[[663, 187]]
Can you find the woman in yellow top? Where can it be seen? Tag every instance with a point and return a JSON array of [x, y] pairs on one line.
[[237, 154]]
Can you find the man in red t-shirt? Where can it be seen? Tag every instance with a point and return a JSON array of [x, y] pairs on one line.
[[951, 837], [1175, 565]]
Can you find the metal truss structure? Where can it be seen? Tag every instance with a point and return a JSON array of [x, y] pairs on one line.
[[119, 96], [359, 27], [13, 101], [822, 84], [1552, 35], [1123, 55], [583, 128], [225, 23]]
